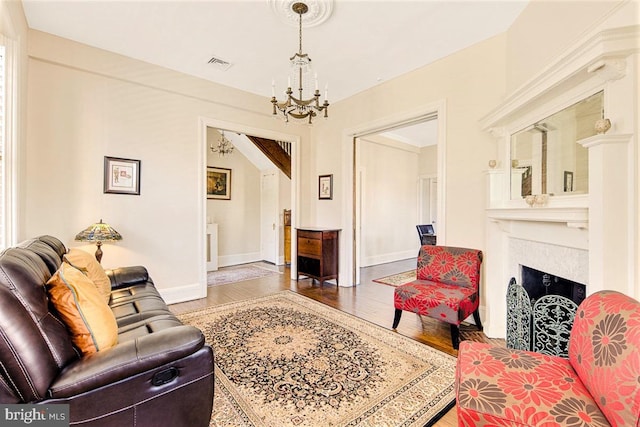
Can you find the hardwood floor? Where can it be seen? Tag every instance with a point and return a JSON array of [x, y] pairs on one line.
[[370, 301]]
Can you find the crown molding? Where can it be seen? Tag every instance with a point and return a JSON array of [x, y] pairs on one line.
[[601, 55]]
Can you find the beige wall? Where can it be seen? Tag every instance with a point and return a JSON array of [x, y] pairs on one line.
[[389, 200], [85, 103], [428, 164], [545, 29]]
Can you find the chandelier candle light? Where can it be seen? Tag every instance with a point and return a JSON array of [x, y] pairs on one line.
[[224, 146], [300, 108]]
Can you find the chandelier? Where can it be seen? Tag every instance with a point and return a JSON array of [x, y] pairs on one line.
[[224, 146], [300, 108]]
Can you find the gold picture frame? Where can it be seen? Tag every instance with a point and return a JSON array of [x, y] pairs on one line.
[[218, 183]]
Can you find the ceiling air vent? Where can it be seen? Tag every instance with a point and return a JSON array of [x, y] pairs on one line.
[[220, 64]]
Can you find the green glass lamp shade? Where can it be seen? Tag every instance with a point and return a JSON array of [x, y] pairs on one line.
[[98, 233]]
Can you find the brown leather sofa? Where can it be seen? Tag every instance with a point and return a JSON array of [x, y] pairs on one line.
[[160, 373]]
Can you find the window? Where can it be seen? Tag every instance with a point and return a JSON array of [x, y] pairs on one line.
[[3, 138], [8, 85]]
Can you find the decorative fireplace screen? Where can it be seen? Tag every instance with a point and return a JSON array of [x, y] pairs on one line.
[[542, 325]]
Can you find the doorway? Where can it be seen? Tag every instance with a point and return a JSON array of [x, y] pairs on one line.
[[397, 170], [354, 183], [252, 202]]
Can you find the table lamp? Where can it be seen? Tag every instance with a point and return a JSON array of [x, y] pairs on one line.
[[98, 232]]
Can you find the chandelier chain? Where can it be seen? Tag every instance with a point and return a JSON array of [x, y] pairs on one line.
[[300, 34]]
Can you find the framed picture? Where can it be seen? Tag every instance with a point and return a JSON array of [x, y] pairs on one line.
[[121, 176], [568, 181], [218, 183], [325, 187]]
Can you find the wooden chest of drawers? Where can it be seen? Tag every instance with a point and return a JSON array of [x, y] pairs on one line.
[[317, 253]]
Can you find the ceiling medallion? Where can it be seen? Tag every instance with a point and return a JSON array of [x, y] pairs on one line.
[[318, 11]]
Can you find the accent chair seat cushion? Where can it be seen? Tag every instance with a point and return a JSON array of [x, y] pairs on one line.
[[449, 303]]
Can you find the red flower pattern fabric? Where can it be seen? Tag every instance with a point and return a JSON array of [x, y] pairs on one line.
[[447, 284], [604, 349], [599, 385]]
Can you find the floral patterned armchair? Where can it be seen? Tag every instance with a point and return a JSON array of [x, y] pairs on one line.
[[599, 385], [446, 287]]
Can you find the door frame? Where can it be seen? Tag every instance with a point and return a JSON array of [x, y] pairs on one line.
[[203, 124], [350, 235]]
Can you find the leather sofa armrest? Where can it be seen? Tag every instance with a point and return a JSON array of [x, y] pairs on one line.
[[126, 359], [123, 277]]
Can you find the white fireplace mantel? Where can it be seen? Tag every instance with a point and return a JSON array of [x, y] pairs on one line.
[[589, 237], [572, 217]]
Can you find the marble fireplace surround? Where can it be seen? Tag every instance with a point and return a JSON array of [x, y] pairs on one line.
[[561, 261], [588, 238]]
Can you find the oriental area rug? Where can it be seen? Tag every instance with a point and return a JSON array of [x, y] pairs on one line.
[[397, 279], [239, 274], [287, 360]]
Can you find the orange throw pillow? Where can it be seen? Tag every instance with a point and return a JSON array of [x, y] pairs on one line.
[[88, 264], [89, 319]]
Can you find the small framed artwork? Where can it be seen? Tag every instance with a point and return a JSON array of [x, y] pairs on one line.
[[325, 187], [218, 183], [121, 176], [568, 181]]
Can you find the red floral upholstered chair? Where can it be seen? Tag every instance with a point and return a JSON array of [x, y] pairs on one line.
[[446, 287], [599, 385]]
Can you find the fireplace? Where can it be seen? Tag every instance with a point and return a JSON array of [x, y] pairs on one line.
[[539, 283], [540, 311], [588, 238]]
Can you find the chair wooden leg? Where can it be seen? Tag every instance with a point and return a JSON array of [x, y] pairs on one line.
[[455, 336], [476, 318], [396, 318]]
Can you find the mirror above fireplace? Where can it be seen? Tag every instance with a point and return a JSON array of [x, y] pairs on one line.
[[545, 156]]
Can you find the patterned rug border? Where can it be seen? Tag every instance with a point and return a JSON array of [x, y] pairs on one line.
[[389, 281], [441, 403]]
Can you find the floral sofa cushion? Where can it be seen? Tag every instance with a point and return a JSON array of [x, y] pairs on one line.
[[599, 385], [502, 387], [604, 349]]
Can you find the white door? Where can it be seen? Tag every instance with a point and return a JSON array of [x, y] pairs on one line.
[[433, 201], [428, 200], [270, 225], [212, 247]]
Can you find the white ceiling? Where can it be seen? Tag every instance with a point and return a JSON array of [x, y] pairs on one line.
[[420, 134], [361, 44]]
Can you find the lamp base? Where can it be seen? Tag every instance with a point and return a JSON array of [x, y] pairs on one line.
[[99, 251]]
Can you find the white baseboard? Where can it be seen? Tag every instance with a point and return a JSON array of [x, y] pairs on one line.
[[227, 260], [182, 293], [389, 257]]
